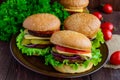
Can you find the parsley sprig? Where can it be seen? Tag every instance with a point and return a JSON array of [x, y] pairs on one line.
[[13, 13]]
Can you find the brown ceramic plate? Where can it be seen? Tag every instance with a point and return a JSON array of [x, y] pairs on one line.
[[36, 64]]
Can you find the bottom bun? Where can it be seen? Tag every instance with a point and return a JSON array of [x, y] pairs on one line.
[[68, 69]]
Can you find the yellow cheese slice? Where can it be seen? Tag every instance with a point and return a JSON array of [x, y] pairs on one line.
[[71, 54], [77, 10], [66, 53]]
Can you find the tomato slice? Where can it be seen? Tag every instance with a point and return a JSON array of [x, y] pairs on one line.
[[65, 49]]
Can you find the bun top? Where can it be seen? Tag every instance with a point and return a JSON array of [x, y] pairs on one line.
[[74, 3], [42, 22], [71, 39], [84, 23]]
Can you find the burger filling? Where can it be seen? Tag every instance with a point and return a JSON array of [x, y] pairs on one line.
[[35, 41], [70, 54], [74, 10], [66, 56], [77, 10], [41, 33]]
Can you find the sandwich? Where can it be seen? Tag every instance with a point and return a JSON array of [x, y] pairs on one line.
[[70, 52], [75, 5], [38, 28], [84, 23], [87, 24]]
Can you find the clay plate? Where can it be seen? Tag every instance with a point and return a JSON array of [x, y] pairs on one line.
[[36, 64]]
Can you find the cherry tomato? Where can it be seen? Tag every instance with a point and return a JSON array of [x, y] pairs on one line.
[[65, 49], [107, 34], [115, 58], [98, 15], [107, 25], [107, 8]]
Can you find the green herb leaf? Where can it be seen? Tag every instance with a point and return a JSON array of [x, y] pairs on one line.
[[13, 13], [49, 59], [98, 40]]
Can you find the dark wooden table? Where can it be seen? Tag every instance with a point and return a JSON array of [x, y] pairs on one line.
[[10, 69]]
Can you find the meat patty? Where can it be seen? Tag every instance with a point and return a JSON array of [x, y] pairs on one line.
[[72, 59], [41, 33], [38, 45]]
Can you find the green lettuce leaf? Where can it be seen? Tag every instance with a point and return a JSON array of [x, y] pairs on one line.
[[30, 51], [96, 55], [96, 58], [49, 59], [98, 40]]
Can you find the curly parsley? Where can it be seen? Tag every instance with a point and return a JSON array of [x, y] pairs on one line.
[[13, 13]]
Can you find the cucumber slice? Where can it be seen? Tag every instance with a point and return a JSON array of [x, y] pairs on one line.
[[36, 41]]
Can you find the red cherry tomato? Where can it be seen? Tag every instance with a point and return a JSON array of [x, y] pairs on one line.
[[107, 34], [98, 15], [74, 51], [115, 58], [107, 8], [107, 25]]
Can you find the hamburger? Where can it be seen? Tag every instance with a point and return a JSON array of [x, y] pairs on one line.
[[71, 50], [38, 28], [84, 23], [75, 5]]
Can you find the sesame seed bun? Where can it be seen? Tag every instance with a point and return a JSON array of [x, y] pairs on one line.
[[84, 23], [42, 22], [69, 69], [74, 5], [71, 39]]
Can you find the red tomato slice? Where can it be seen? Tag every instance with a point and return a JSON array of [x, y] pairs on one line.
[[65, 49]]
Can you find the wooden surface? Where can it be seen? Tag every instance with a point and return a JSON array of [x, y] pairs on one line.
[[95, 3], [10, 69]]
